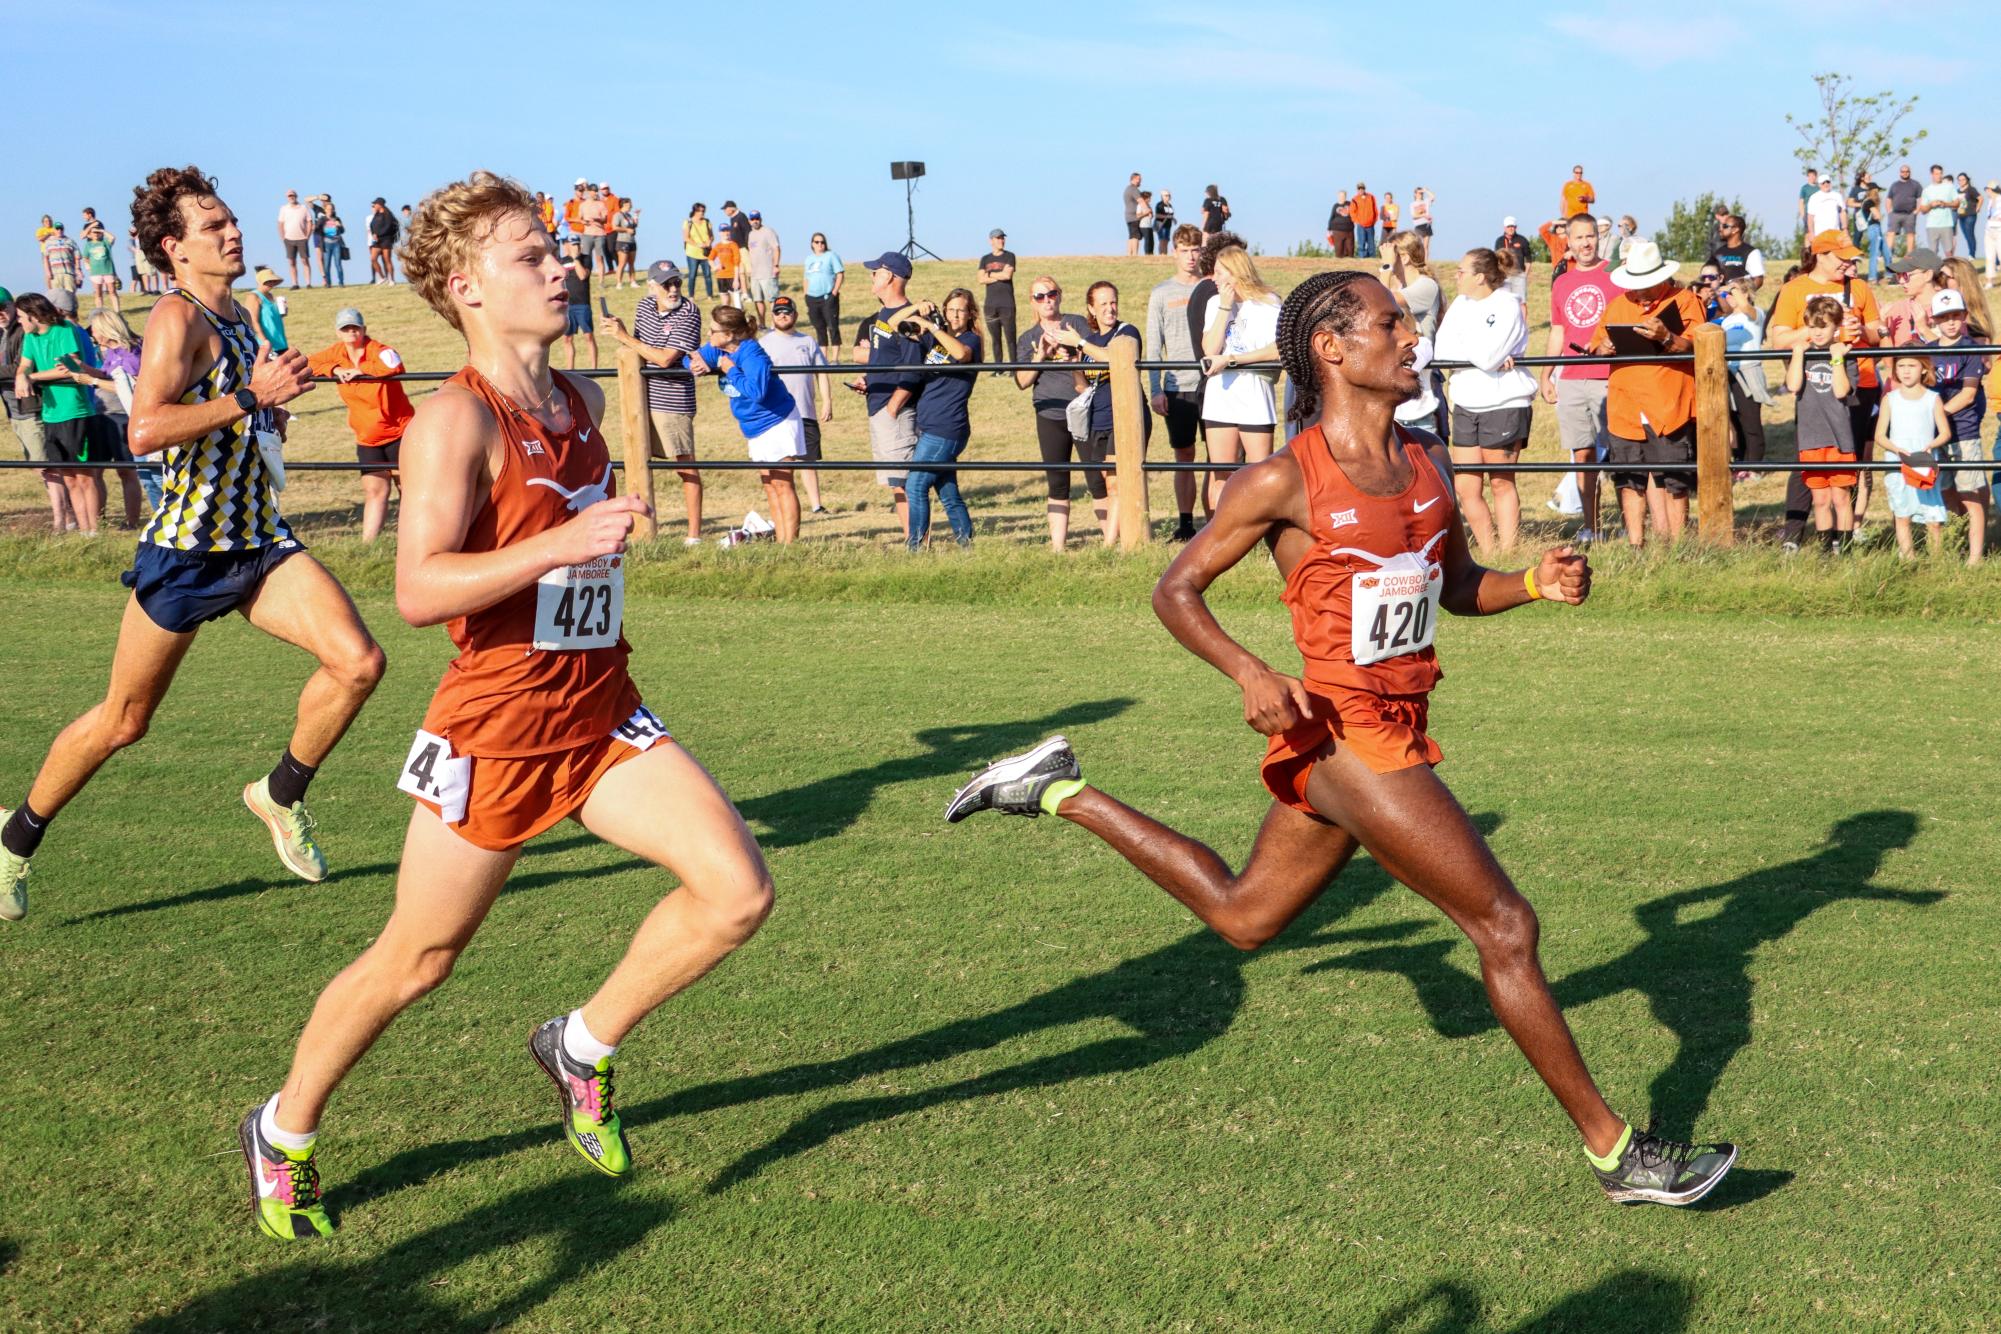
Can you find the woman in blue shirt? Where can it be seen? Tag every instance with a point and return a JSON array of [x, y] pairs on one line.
[[944, 423], [764, 409], [1101, 307], [333, 231], [823, 295]]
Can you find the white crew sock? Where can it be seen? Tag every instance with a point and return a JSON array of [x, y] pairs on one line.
[[580, 1046], [284, 1139]]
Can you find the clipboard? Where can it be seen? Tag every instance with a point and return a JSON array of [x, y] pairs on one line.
[[1628, 341]]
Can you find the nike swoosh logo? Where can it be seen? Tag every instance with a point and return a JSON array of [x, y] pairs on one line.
[[584, 435], [1419, 509]]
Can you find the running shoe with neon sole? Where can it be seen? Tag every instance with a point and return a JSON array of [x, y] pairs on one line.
[[1015, 785], [1653, 1170], [13, 880], [284, 1187], [584, 1091], [291, 831]]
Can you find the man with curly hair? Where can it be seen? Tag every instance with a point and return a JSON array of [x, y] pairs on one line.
[[216, 543], [511, 536]]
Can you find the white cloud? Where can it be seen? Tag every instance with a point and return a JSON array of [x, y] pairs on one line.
[[1648, 40]]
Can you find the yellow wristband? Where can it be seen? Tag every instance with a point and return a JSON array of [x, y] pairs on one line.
[[1528, 582]]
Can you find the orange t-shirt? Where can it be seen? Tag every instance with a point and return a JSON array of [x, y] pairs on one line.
[[502, 697], [1664, 392], [1790, 310], [1362, 209], [726, 254], [549, 215], [612, 204], [1578, 196], [1557, 239], [377, 413], [570, 207], [1355, 536]]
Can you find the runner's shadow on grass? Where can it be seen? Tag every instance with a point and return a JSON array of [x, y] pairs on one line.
[[1175, 1000], [410, 1285], [826, 806], [237, 889], [1631, 1301], [1695, 971]]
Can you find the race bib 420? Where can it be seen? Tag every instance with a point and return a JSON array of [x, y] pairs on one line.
[[581, 606], [1395, 609]]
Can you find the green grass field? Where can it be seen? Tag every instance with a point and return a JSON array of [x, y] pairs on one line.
[[985, 1076]]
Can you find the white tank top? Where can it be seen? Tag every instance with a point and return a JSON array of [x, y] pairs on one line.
[[1913, 425]]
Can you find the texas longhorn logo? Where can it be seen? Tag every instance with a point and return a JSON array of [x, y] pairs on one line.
[[584, 496]]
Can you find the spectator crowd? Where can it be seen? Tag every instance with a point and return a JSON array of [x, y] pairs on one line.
[[66, 376]]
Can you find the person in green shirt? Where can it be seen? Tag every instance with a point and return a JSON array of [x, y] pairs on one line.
[[52, 347], [100, 264]]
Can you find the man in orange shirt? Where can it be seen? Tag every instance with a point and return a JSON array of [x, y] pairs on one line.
[[1832, 274], [545, 208], [377, 409], [574, 205], [1578, 194], [1362, 212], [1650, 406]]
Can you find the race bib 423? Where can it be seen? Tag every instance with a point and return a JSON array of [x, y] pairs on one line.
[[581, 606]]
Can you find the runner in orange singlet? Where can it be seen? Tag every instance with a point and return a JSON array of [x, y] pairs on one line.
[[1359, 515], [512, 536]]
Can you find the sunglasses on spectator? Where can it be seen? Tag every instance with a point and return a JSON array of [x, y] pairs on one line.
[[1047, 296]]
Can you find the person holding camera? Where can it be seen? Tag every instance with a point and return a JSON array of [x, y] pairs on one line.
[[891, 338], [1051, 393], [943, 423]]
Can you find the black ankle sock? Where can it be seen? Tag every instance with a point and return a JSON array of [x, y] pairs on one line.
[[288, 781], [22, 833]]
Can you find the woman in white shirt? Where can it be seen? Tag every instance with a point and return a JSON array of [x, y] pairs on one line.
[[1240, 328], [1750, 395], [1490, 398]]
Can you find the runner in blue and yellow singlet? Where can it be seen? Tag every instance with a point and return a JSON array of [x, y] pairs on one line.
[[217, 544]]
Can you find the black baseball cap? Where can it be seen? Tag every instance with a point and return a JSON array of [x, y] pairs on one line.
[[784, 305]]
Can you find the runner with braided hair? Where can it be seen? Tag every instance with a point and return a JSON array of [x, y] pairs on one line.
[[1358, 514]]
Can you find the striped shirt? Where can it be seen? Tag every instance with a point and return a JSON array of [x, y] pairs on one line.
[[683, 330], [216, 494]]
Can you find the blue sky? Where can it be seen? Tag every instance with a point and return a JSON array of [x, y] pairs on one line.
[[781, 107]]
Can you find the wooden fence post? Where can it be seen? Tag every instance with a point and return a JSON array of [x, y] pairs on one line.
[[1717, 508], [1129, 444], [636, 424]]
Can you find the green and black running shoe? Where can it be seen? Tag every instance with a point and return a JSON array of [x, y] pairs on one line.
[[1652, 1170], [1016, 784], [589, 1122], [284, 1186]]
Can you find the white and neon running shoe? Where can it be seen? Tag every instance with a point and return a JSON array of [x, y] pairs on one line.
[[1016, 784], [291, 831], [1653, 1170], [584, 1091], [13, 880], [284, 1186]]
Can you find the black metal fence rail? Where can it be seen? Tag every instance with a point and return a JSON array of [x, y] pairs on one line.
[[1000, 367]]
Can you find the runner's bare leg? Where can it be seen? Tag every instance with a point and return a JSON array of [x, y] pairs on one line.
[[725, 891], [443, 890], [300, 603]]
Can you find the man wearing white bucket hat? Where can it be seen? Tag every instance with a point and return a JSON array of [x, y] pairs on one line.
[[1650, 406]]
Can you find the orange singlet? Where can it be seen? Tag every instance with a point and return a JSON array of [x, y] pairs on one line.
[[1364, 603], [538, 705]]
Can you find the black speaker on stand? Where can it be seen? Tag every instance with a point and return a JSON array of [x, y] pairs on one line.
[[908, 173]]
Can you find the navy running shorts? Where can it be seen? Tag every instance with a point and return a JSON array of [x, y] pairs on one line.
[[180, 590]]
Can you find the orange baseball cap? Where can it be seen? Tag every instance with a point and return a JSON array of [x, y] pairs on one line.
[[1832, 242]]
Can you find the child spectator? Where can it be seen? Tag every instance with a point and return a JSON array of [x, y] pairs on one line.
[[727, 256], [1824, 430], [1964, 401], [1913, 424]]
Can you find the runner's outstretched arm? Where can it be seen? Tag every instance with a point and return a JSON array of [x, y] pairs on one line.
[[1471, 589]]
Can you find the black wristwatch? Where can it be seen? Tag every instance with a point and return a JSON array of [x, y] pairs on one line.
[[245, 399]]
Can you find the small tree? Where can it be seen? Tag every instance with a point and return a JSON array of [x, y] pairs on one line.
[[1851, 133], [1686, 234]]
